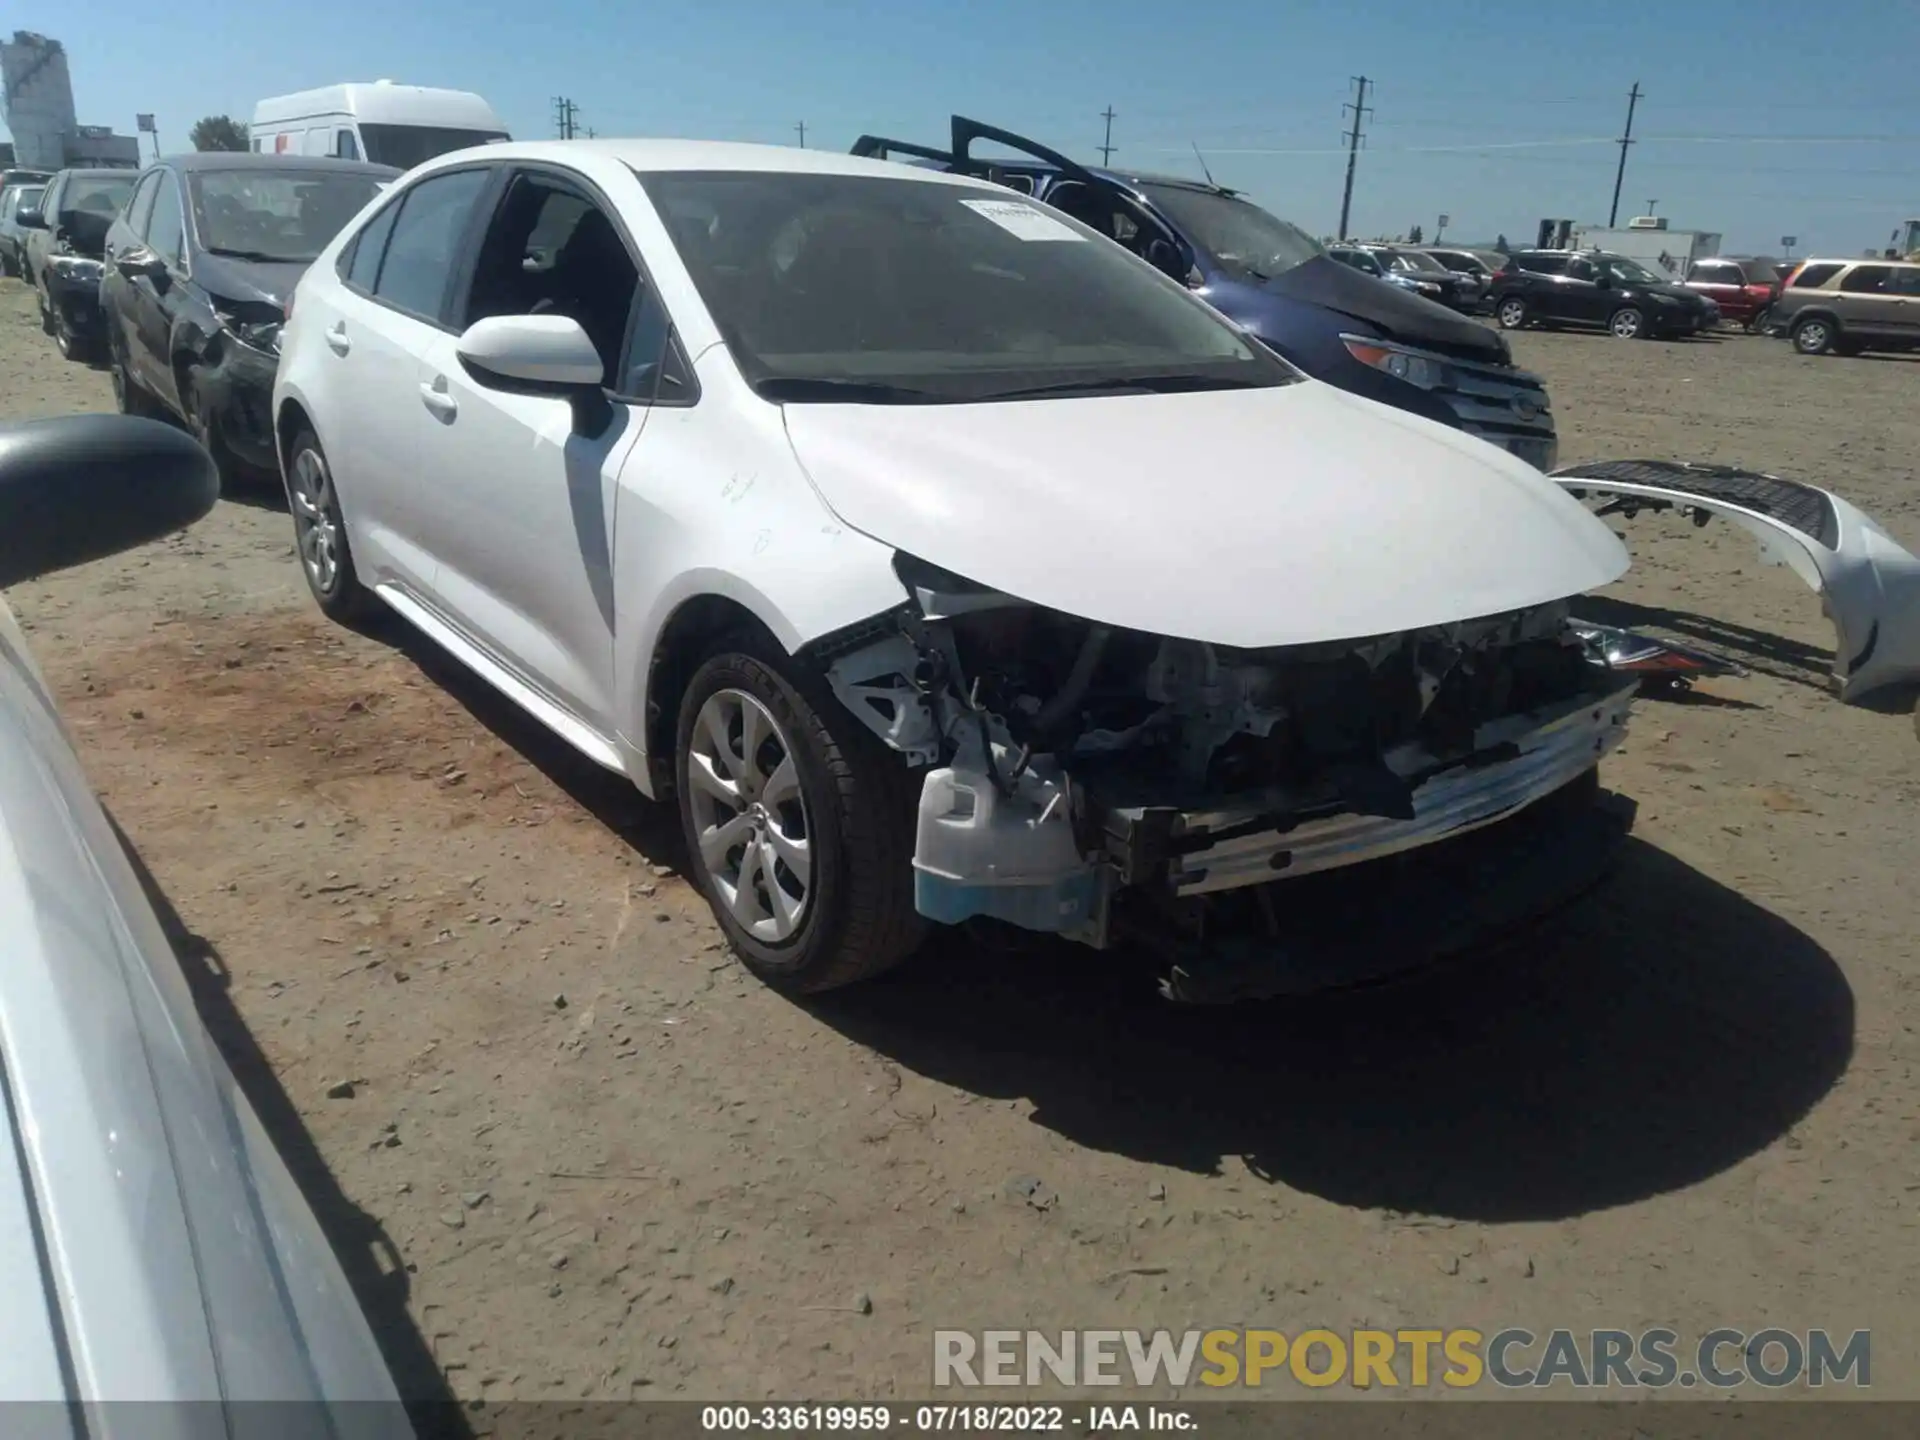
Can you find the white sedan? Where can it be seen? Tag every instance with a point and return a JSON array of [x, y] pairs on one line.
[[944, 559]]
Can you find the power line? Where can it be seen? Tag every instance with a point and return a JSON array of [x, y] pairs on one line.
[[1626, 139], [566, 117], [1106, 144], [1358, 105]]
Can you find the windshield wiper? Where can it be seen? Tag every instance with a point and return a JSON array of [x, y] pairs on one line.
[[855, 392], [1180, 382], [258, 256]]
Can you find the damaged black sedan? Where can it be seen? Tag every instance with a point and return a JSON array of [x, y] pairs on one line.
[[200, 265]]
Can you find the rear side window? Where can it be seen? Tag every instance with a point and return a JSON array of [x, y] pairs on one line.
[[1905, 281], [1717, 272], [1811, 276], [1866, 279], [344, 145], [425, 242], [362, 265], [1543, 264]]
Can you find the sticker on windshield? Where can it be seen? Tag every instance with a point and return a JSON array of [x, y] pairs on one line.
[[1023, 222]]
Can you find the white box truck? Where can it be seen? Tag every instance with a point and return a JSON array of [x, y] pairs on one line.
[[386, 123]]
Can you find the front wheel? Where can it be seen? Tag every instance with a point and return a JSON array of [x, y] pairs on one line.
[[1627, 323], [1757, 322], [320, 534], [798, 823], [206, 429], [1511, 313]]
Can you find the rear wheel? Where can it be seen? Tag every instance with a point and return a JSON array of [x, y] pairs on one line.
[[1511, 313], [1813, 336], [798, 822], [1629, 322], [320, 533]]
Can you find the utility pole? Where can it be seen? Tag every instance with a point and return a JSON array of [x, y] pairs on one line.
[[1626, 139], [1360, 110], [565, 117], [801, 127], [1106, 144]]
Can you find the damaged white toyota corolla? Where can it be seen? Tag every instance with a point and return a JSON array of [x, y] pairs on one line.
[[944, 559]]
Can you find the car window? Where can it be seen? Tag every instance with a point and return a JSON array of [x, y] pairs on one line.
[[361, 263], [275, 216], [1810, 276], [1716, 272], [1581, 270], [551, 250], [426, 238], [1543, 264], [1865, 279], [901, 290], [166, 230], [141, 206], [406, 146], [1904, 281], [1238, 234], [97, 195], [50, 197], [345, 147]]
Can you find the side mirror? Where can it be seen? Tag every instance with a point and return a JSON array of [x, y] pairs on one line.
[[141, 261], [539, 355], [30, 219], [85, 486]]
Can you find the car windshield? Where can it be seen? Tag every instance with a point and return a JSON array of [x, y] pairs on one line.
[[874, 289], [1358, 260], [103, 195], [406, 146], [23, 198], [1417, 260], [1630, 272], [275, 215], [1238, 234]]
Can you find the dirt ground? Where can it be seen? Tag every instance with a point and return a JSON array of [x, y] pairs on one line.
[[585, 1155]]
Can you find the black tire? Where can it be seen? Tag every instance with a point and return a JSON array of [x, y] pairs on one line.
[[1512, 312], [1813, 335], [858, 919], [206, 430], [46, 311], [1629, 322], [336, 589], [1757, 322]]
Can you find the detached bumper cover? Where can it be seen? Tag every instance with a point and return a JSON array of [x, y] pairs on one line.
[[238, 395], [1869, 586]]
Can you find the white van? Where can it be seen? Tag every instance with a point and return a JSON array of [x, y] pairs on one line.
[[383, 122]]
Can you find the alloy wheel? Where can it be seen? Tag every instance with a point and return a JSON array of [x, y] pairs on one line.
[[1811, 338], [1626, 324], [1512, 314], [750, 817], [316, 519]]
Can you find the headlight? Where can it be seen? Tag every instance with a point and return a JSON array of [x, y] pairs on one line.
[[1426, 287], [76, 267], [1402, 364]]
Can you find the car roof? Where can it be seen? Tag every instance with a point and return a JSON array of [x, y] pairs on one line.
[[660, 156], [199, 161]]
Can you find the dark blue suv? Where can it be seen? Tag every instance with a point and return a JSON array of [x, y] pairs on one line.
[[1279, 284]]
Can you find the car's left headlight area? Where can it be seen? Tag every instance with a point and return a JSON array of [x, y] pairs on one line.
[[256, 331], [78, 269], [1426, 371]]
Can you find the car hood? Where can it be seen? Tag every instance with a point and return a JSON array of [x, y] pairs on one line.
[[1399, 314], [1244, 517], [257, 281], [1676, 292]]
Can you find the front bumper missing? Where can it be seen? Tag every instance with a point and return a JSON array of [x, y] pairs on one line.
[[1262, 837], [1869, 586]]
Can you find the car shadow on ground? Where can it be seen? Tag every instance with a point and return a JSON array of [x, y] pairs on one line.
[[371, 1260], [1655, 1034], [1650, 1036]]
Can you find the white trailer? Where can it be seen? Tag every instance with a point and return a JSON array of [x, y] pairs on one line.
[[386, 123], [1649, 241]]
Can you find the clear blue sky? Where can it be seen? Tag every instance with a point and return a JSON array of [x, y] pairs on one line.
[[1758, 120]]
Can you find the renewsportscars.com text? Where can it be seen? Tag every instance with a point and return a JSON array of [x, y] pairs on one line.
[[1404, 1359]]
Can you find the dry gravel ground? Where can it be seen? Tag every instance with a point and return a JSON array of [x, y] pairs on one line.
[[585, 1155]]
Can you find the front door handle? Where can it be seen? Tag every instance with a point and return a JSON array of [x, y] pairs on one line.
[[337, 338], [435, 397]]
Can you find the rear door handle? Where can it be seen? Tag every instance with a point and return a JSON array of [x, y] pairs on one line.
[[435, 397], [337, 338]]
